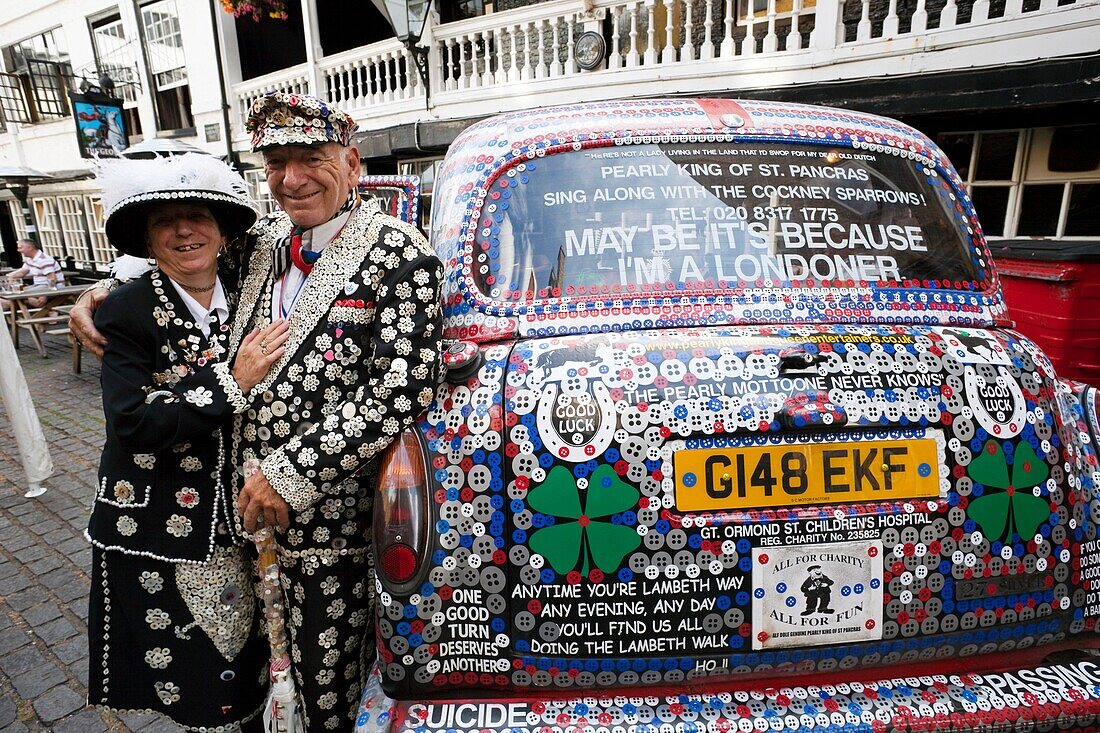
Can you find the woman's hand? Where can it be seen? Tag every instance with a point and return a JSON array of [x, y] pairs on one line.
[[259, 350]]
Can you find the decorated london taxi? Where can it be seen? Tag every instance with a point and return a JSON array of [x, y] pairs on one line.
[[735, 435]]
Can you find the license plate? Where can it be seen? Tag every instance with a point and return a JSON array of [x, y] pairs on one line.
[[748, 477]]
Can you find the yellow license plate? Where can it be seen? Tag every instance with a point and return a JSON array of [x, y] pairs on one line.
[[748, 477]]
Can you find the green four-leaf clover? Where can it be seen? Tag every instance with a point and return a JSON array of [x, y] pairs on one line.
[[1014, 510], [586, 540]]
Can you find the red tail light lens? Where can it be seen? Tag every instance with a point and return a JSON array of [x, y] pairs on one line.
[[398, 563], [400, 510]]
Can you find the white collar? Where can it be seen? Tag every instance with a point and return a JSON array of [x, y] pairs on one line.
[[200, 313], [321, 236]]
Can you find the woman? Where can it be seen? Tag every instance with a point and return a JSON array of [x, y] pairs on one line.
[[172, 625]]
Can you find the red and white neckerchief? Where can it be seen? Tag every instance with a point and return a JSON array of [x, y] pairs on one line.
[[290, 285]]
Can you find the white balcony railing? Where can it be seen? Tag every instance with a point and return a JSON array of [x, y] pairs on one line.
[[371, 76], [524, 57], [294, 79]]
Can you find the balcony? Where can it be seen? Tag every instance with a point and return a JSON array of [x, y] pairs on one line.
[[524, 57]]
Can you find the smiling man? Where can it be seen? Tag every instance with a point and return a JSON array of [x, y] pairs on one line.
[[360, 292]]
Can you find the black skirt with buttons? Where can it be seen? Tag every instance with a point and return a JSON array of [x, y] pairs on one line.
[[181, 639]]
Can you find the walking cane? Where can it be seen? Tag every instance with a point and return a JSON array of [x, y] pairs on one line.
[[282, 713]]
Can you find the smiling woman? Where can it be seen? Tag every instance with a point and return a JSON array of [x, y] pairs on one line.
[[172, 623]]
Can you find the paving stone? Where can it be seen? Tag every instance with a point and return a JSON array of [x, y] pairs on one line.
[[55, 631], [70, 650], [14, 584], [70, 513], [42, 528], [57, 578], [30, 552], [44, 565], [20, 661], [57, 703], [85, 721], [137, 721], [16, 727], [41, 614], [34, 682], [26, 598], [71, 591], [21, 542], [13, 638], [79, 669], [8, 710], [72, 546]]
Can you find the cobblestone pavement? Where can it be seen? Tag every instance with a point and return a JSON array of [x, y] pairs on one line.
[[44, 558]]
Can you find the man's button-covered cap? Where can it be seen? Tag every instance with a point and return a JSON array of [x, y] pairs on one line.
[[283, 118]]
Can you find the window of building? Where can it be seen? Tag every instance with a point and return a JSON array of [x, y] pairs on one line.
[[271, 45], [1083, 212], [167, 64], [41, 66], [70, 210], [1039, 182], [50, 236], [462, 9], [337, 34], [114, 56], [102, 251], [17, 220], [760, 8], [988, 162], [13, 105]]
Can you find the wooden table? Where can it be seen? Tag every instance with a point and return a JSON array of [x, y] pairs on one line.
[[35, 318]]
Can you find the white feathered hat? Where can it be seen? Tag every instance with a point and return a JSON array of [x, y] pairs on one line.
[[131, 187]]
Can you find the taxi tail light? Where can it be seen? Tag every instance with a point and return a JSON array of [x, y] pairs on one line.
[[400, 510]]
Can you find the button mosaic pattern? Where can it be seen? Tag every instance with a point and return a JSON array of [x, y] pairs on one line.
[[496, 153], [678, 489], [563, 560]]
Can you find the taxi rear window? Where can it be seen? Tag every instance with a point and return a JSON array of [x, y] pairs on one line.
[[653, 217]]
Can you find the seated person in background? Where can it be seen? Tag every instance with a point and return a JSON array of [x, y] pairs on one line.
[[43, 269]]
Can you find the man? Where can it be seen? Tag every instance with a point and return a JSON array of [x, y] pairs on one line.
[[361, 295], [818, 589], [360, 291], [42, 268]]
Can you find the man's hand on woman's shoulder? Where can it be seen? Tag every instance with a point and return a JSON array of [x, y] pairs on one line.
[[82, 317]]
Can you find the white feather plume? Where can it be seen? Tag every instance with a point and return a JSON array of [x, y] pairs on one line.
[[128, 267], [122, 180]]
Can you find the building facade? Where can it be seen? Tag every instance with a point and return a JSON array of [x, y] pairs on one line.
[[158, 58], [1010, 88]]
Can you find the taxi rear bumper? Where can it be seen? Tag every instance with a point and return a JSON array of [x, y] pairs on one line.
[[1043, 697]]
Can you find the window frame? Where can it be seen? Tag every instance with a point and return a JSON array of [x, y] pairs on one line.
[[971, 181], [1048, 177], [71, 217], [102, 252], [1026, 171], [44, 57], [257, 186], [51, 238], [18, 221]]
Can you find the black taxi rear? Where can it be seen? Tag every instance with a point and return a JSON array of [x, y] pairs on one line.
[[735, 436]]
